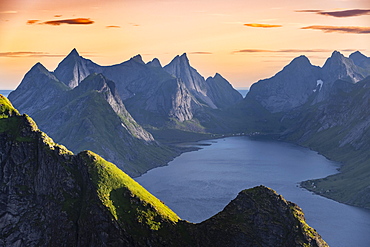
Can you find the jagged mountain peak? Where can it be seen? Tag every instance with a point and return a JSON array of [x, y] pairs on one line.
[[217, 75], [336, 54], [179, 61], [340, 67], [73, 55], [360, 60], [137, 59], [155, 63], [301, 60], [74, 68], [184, 56], [39, 67], [357, 54], [74, 52]]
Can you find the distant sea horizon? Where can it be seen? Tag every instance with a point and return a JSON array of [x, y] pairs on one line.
[[243, 91], [5, 92]]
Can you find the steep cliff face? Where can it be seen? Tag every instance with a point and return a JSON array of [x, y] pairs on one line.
[[74, 68], [215, 92], [180, 68], [48, 195], [289, 88]]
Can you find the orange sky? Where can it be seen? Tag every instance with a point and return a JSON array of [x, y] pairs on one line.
[[243, 40]]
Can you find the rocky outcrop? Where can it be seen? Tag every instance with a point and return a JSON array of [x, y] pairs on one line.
[[258, 217], [49, 195]]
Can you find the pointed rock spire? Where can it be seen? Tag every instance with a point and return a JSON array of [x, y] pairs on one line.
[[155, 63], [137, 59]]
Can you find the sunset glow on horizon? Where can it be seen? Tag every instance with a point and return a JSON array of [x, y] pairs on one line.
[[242, 40]]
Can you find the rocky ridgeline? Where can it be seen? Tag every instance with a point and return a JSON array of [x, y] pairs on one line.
[[51, 196]]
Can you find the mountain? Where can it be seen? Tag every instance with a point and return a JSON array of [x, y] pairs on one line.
[[325, 109], [37, 89], [300, 82], [360, 60], [49, 195], [90, 116], [289, 88], [216, 92], [74, 68], [156, 96]]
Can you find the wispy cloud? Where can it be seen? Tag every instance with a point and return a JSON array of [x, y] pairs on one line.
[[309, 10], [30, 22], [340, 13], [340, 29], [201, 53], [285, 50], [75, 21], [134, 24], [9, 12], [57, 15], [113, 26], [261, 25], [28, 54]]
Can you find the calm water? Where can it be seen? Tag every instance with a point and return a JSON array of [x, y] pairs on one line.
[[199, 184]]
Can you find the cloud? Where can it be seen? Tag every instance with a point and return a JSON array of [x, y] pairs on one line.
[[28, 54], [339, 13], [134, 24], [309, 10], [201, 53], [75, 21], [340, 29], [57, 15], [286, 50], [30, 22], [113, 26], [261, 25], [9, 12], [346, 13]]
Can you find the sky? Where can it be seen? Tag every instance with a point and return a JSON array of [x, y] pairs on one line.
[[243, 40]]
